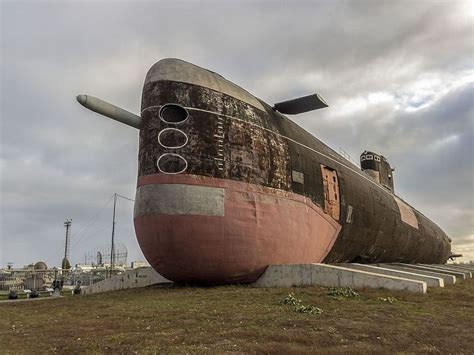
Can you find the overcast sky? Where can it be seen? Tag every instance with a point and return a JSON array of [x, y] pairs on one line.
[[398, 77]]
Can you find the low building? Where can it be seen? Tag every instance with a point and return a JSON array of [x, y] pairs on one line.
[[139, 263]]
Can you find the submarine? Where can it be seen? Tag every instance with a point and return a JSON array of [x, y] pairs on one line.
[[228, 185]]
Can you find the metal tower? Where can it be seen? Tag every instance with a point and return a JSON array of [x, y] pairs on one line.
[[65, 263]]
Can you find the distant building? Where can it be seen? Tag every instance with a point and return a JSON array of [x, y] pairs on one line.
[[84, 268], [38, 276], [139, 263], [8, 281]]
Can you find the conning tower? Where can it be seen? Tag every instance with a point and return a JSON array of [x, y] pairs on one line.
[[378, 168]]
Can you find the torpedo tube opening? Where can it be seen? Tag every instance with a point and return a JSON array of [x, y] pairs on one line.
[[172, 138], [173, 114], [170, 163]]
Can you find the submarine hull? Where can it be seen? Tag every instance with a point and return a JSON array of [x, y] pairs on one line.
[[223, 231], [227, 186]]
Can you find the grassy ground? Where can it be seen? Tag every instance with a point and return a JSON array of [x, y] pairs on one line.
[[242, 319]]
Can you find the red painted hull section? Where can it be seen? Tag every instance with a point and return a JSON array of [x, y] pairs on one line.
[[260, 226]]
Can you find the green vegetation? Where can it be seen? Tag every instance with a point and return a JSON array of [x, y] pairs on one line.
[[298, 305], [242, 319], [390, 300], [340, 292]]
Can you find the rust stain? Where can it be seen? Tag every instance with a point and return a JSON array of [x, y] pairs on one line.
[[331, 192]]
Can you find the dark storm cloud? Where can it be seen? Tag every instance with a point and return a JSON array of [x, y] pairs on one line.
[[396, 75]]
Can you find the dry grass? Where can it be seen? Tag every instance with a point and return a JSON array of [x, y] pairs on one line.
[[242, 319]]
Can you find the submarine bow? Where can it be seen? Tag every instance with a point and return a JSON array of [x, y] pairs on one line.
[[214, 203]]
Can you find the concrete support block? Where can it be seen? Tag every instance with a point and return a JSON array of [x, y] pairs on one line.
[[431, 281], [467, 267], [448, 279], [458, 274], [468, 273], [333, 276], [286, 276], [462, 267], [140, 277]]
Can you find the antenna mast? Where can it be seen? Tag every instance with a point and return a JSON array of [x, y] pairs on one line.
[[112, 247], [65, 263]]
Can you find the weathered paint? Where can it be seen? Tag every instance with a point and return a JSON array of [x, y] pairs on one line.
[[406, 213], [184, 72], [260, 226], [331, 192], [174, 199], [235, 138], [297, 176]]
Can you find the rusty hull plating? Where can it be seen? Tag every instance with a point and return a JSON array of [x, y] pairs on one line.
[[228, 186]]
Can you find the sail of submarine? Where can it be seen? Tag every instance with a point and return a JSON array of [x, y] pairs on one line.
[[228, 185]]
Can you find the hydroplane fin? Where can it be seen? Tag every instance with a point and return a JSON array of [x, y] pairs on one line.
[[300, 105]]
